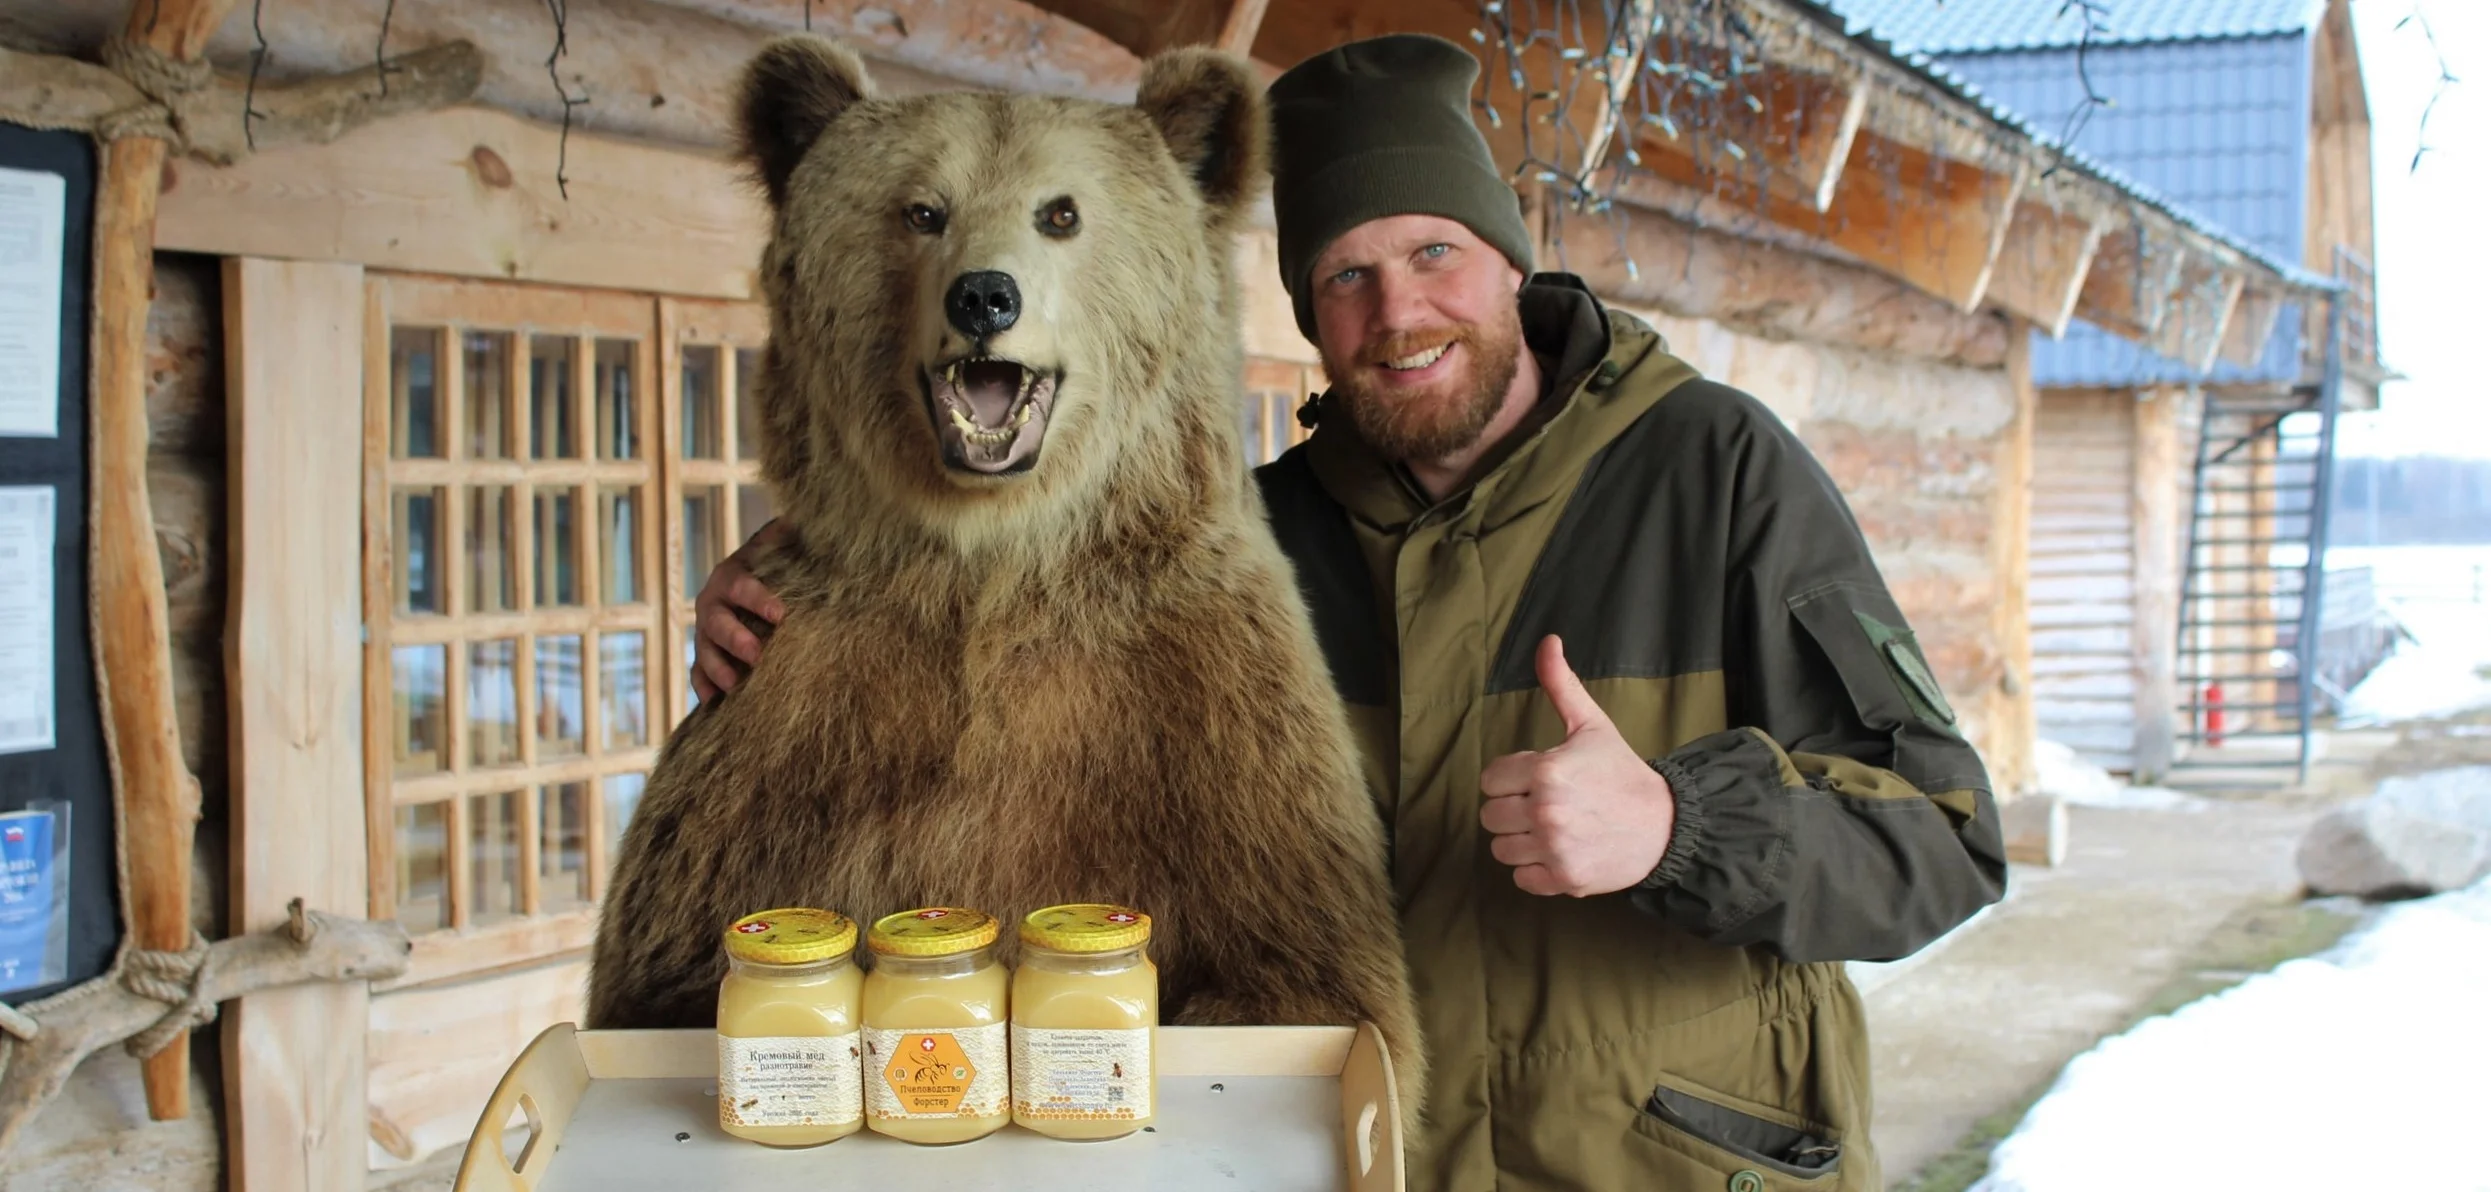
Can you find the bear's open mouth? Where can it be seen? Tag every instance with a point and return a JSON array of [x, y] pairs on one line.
[[990, 412]]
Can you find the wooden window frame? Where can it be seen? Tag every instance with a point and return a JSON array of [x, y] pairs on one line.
[[523, 312]]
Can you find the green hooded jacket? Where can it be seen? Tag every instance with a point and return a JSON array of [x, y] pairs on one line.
[[1717, 599]]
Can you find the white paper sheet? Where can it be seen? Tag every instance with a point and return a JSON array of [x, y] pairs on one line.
[[33, 211], [28, 716]]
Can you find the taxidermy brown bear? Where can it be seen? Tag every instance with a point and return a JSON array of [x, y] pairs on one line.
[[1040, 645]]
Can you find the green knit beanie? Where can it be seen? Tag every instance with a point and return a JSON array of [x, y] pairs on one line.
[[1375, 128]]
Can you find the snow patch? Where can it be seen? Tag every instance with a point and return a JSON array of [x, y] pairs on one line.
[[2363, 1067], [2061, 773]]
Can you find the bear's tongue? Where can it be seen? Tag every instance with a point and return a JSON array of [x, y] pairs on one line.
[[990, 387]]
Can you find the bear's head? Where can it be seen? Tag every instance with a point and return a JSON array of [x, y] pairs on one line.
[[984, 307]]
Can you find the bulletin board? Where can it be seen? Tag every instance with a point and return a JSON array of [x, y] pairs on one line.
[[60, 918]]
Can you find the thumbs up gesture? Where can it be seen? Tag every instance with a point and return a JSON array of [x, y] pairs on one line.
[[1586, 817]]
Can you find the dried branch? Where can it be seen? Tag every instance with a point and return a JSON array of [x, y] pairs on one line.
[[2082, 113], [74, 1025], [50, 91], [2421, 134]]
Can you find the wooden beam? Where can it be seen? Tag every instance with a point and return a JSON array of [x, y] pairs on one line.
[[2135, 271], [471, 192], [2252, 324], [2201, 308], [294, 1064], [1146, 27], [2042, 268], [1934, 222], [134, 661], [1786, 129], [1245, 19]]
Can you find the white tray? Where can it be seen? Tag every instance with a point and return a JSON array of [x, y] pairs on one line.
[[1269, 1108]]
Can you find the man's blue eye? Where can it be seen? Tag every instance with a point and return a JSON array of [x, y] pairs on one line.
[[1437, 250]]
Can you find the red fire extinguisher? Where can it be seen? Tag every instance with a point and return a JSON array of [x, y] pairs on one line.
[[2214, 714]]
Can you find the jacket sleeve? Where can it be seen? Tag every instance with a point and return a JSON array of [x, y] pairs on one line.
[[1843, 816]]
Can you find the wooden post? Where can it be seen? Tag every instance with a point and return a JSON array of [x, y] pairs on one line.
[[295, 1092], [158, 794], [2161, 477], [2018, 728]]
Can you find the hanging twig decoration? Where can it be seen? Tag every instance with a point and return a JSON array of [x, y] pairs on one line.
[[2421, 135], [562, 159], [380, 47], [250, 90], [2082, 114]]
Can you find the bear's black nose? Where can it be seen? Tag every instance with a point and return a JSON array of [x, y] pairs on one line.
[[983, 303]]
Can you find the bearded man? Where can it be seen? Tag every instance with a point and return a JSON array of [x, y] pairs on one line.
[[1656, 750]]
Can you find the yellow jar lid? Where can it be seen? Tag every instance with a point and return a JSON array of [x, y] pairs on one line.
[[932, 931], [791, 935], [1085, 927]]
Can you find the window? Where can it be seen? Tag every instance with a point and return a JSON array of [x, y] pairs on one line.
[[1274, 391], [713, 473], [515, 607]]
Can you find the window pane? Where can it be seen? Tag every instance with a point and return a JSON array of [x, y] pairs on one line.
[[700, 401], [618, 397], [752, 508], [747, 406], [493, 702], [622, 797], [562, 847], [486, 356], [622, 680], [557, 547], [422, 846], [493, 857], [704, 508], [415, 392], [491, 586], [618, 543], [418, 682], [559, 729], [551, 412], [416, 514]]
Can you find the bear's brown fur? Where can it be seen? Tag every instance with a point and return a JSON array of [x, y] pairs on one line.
[[1091, 679]]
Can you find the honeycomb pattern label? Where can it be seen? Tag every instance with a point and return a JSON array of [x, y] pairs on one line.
[[937, 1074]]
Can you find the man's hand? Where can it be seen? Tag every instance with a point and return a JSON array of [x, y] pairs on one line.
[[716, 631], [1587, 817]]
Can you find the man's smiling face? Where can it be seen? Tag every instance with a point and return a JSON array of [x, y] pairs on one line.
[[1416, 320]]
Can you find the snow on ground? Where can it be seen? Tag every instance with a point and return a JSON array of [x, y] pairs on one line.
[[2062, 773], [2442, 594], [2368, 1066]]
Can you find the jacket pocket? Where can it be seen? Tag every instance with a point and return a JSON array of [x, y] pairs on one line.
[[1782, 1151]]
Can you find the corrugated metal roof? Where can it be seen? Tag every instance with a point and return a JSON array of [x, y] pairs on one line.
[[1941, 74], [1981, 26], [2212, 131]]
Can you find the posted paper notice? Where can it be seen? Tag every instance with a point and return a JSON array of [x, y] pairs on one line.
[[27, 714], [34, 210]]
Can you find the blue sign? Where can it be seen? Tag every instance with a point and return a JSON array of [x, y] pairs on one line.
[[27, 911]]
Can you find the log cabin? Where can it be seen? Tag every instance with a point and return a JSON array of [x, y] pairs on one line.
[[2179, 588], [402, 371]]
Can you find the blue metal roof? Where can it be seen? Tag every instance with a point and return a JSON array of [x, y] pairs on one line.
[[1982, 26], [2216, 129]]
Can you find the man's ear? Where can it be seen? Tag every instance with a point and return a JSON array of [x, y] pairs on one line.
[[1208, 107], [790, 92]]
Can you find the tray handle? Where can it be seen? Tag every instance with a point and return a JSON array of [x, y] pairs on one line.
[[1371, 1115], [543, 1086]]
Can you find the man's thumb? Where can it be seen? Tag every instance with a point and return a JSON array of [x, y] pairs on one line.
[[1574, 704]]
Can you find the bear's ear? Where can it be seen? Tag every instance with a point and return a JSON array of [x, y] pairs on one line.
[[1208, 107], [790, 92]]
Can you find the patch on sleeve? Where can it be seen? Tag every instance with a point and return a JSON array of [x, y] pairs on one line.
[[1900, 650]]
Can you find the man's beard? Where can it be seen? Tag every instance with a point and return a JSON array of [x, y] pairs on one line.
[[1445, 417]]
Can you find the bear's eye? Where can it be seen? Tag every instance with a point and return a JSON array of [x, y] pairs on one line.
[[922, 218], [1059, 218]]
